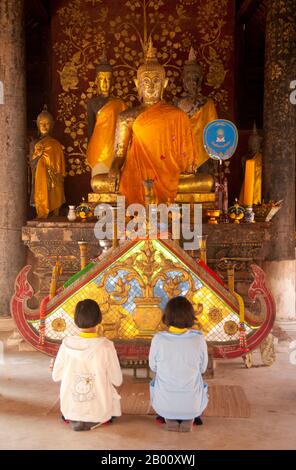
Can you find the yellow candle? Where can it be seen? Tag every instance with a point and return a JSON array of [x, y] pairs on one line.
[[249, 183], [56, 272], [83, 254]]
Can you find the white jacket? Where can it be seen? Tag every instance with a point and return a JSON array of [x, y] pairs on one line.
[[89, 369]]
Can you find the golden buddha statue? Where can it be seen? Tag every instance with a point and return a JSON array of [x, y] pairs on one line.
[[102, 114], [154, 141], [48, 169], [255, 154], [200, 109]]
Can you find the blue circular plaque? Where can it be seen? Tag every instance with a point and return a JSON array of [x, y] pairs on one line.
[[220, 139]]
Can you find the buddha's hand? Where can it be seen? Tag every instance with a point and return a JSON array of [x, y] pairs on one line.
[[113, 175], [38, 150], [191, 170]]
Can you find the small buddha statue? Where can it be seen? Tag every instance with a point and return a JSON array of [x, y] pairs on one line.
[[102, 114], [48, 169], [154, 141], [200, 109], [255, 154]]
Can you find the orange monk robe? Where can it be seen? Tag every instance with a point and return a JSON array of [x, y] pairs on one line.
[[49, 177], [199, 120], [257, 198], [101, 145], [162, 147]]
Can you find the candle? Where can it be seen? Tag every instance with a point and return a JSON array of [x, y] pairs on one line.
[[83, 254], [249, 183], [56, 272]]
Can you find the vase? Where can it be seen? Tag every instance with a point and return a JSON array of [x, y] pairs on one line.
[[71, 214], [249, 215], [147, 315], [213, 215]]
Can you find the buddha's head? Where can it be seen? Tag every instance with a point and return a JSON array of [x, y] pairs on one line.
[[45, 122], [255, 141], [192, 75], [104, 77], [151, 81]]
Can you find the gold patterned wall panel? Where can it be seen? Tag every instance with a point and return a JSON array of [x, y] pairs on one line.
[[82, 29]]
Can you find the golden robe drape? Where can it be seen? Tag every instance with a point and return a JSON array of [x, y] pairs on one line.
[[101, 145], [49, 177], [162, 147], [199, 120], [257, 197]]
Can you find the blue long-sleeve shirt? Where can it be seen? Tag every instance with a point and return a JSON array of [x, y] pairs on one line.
[[178, 360]]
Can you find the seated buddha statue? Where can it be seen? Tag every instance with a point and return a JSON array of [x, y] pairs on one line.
[[102, 114], [200, 110], [154, 141], [48, 169]]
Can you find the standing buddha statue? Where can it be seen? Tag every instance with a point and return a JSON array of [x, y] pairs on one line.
[[102, 114], [255, 154], [48, 169], [154, 141]]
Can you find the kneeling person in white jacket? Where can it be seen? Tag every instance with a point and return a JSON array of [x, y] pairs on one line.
[[88, 368]]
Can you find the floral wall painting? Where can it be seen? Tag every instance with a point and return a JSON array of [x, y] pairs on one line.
[[83, 29]]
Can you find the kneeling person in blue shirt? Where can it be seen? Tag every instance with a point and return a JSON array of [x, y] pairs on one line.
[[179, 357]]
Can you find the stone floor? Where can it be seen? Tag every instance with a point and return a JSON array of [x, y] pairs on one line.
[[29, 418]]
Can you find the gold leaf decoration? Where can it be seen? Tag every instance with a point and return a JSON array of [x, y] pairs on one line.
[[215, 315], [230, 327], [59, 325]]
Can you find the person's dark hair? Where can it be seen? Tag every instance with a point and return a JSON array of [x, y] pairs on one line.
[[179, 312], [87, 314]]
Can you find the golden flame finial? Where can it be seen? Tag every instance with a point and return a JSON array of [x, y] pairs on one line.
[[192, 55], [151, 63], [151, 51], [191, 63], [255, 132], [103, 65], [103, 58]]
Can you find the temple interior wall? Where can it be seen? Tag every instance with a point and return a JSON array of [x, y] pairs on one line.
[[74, 38]]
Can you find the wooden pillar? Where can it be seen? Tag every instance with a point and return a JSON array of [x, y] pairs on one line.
[[12, 149], [279, 150]]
